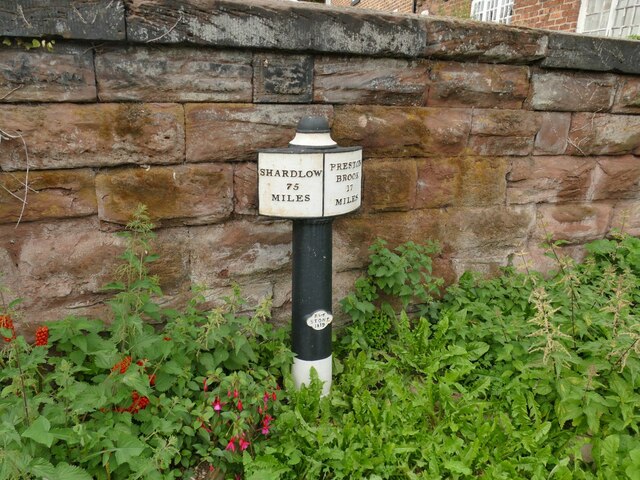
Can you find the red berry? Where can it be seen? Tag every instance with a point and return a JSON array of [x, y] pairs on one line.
[[123, 365], [42, 336], [152, 379], [7, 322]]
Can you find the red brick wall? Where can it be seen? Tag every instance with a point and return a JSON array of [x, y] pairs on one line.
[[401, 6], [549, 14], [451, 8]]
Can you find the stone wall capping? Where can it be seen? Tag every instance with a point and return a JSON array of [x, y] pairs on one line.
[[80, 19], [313, 28], [579, 52]]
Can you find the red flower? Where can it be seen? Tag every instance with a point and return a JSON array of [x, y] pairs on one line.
[[240, 405], [231, 445], [217, 406], [42, 336], [244, 444], [266, 424], [7, 322]]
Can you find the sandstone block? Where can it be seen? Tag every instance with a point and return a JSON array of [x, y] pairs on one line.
[[481, 85], [50, 194], [354, 234], [239, 251], [235, 132], [503, 132], [534, 257], [62, 75], [617, 178], [487, 268], [380, 81], [389, 185], [628, 97], [552, 137], [176, 74], [282, 78], [479, 233], [550, 179], [486, 234], [487, 42], [572, 92], [573, 222], [604, 134], [70, 135], [402, 132], [245, 188], [82, 19], [626, 217], [178, 195], [36, 252], [460, 181]]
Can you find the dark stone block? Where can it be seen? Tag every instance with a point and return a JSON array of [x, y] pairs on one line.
[[80, 19], [592, 53], [282, 78], [277, 25], [487, 42]]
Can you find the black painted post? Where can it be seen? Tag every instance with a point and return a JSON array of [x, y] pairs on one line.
[[311, 293], [311, 182]]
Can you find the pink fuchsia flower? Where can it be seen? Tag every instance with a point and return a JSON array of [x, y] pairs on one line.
[[265, 398], [235, 393], [244, 444], [231, 445], [266, 424], [240, 407], [217, 406]]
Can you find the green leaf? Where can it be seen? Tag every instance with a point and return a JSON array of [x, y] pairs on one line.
[[64, 471], [609, 450], [38, 431], [457, 466], [128, 448]]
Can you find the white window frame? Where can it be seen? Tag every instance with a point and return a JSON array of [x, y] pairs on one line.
[[582, 17], [484, 10]]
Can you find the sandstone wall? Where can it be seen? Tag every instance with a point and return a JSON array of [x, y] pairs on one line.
[[483, 137]]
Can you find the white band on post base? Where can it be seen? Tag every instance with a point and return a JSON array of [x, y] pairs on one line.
[[301, 372]]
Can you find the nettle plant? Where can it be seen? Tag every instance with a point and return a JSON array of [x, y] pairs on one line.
[[522, 376], [155, 394]]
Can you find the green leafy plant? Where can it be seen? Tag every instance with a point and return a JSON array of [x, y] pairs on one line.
[[395, 278], [29, 44], [522, 376], [140, 397]]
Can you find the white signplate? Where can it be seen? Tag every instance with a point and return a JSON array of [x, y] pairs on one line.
[[342, 182], [309, 185], [319, 319]]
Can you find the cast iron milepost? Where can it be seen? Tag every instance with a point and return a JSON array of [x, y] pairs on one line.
[[311, 182]]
